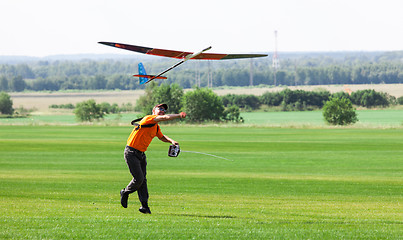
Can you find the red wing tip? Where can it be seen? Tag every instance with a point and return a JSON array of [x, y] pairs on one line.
[[150, 76]]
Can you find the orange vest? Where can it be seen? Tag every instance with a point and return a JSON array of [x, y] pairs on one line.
[[141, 137]]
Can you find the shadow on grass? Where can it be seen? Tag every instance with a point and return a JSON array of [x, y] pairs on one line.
[[199, 216]]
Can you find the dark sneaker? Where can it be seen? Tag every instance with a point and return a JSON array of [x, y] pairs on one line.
[[123, 198], [145, 210]]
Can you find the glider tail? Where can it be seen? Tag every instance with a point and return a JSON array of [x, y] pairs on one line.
[[142, 71], [143, 75]]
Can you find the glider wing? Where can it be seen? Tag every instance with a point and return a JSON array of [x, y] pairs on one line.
[[180, 54]]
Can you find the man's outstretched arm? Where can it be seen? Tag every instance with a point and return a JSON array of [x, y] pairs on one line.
[[168, 117]]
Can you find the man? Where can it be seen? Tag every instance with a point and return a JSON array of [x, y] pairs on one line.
[[137, 144]]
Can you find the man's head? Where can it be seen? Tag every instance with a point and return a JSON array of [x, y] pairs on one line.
[[160, 109]]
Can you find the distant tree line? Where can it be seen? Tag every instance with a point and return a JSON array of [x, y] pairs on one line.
[[300, 100], [310, 69], [212, 108], [89, 110], [228, 107], [80, 75], [385, 73], [105, 107], [286, 100]]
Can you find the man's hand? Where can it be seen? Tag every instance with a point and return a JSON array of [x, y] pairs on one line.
[[183, 114]]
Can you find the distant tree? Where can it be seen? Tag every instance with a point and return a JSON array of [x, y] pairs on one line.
[[203, 104], [73, 82], [370, 98], [271, 98], [297, 99], [339, 111], [105, 107], [3, 83], [242, 101], [146, 102], [125, 107], [281, 77], [97, 82], [41, 84], [6, 104], [119, 81], [17, 84], [63, 106], [88, 111], [341, 95], [25, 71], [170, 94], [400, 100], [232, 114]]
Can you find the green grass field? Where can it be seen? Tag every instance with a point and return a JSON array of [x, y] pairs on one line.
[[63, 182], [367, 118]]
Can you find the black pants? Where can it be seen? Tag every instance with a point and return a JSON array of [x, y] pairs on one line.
[[137, 163]]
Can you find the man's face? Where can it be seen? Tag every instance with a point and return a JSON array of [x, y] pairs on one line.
[[159, 111]]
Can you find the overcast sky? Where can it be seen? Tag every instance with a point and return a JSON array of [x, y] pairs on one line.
[[49, 27]]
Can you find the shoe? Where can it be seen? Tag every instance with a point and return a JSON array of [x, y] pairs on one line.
[[145, 210], [123, 198]]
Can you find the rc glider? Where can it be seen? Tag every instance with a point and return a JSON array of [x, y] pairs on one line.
[[185, 56]]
